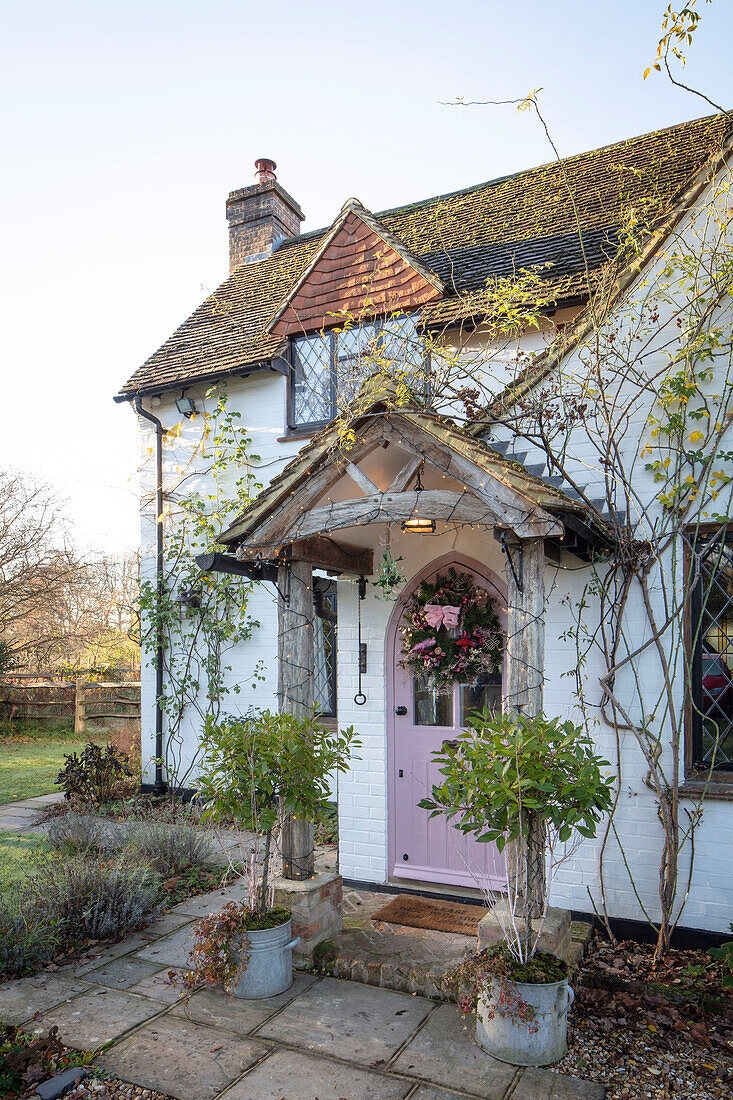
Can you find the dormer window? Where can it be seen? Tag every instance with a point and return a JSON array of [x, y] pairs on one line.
[[328, 368]]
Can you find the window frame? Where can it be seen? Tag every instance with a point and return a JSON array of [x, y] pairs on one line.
[[310, 427], [699, 777]]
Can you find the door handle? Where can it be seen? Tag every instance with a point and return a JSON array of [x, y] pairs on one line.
[[450, 744], [402, 711]]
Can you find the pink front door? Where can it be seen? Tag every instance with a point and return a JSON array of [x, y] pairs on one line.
[[433, 850]]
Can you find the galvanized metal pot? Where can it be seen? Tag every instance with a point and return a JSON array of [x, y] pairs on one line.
[[524, 1023], [269, 970]]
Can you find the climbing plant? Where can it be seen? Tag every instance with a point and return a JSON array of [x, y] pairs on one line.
[[209, 478]]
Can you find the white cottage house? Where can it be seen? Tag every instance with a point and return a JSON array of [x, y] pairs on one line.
[[439, 492]]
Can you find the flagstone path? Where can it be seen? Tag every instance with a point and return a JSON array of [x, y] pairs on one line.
[[322, 1038]]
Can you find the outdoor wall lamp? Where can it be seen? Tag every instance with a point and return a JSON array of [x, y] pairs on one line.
[[188, 597], [185, 406], [416, 525]]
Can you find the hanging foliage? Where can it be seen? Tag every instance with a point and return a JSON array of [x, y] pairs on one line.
[[451, 630]]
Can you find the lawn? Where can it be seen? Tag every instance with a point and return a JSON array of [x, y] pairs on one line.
[[31, 759], [16, 856]]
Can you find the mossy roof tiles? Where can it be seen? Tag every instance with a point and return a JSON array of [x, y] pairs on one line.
[[465, 237]]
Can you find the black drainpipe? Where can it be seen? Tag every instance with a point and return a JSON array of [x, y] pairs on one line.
[[159, 786]]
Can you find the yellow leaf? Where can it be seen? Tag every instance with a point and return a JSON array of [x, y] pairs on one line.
[[695, 437]]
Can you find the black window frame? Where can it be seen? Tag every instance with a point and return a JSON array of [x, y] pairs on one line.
[[325, 608], [694, 645], [332, 335]]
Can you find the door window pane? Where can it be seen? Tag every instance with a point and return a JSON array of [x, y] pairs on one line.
[[486, 693], [433, 706]]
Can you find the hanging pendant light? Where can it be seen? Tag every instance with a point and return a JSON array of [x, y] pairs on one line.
[[416, 525]]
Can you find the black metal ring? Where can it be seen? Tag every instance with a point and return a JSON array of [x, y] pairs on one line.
[[360, 698]]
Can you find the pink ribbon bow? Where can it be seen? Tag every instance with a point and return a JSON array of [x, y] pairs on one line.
[[437, 614]]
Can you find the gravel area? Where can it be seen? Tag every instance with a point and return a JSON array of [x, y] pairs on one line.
[[642, 1066], [106, 1088]]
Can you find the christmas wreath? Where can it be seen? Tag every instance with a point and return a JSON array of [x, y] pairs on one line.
[[451, 630]]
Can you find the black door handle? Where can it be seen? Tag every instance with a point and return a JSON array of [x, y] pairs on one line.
[[402, 711], [450, 744]]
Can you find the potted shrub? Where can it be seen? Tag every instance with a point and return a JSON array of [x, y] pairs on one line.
[[534, 786], [257, 770]]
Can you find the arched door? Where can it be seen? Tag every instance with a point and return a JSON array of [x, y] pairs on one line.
[[421, 719]]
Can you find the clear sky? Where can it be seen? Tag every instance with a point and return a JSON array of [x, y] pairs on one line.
[[125, 124]]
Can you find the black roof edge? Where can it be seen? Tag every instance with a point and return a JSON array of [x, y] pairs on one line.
[[244, 371]]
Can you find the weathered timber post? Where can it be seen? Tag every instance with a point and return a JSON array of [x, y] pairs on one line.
[[80, 706], [525, 664], [295, 689]]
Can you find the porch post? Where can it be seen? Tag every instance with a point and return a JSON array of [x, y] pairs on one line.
[[295, 690], [525, 662]]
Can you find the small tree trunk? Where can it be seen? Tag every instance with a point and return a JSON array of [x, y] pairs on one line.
[[262, 907]]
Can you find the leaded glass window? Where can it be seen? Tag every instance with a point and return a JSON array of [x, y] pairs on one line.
[[329, 368], [711, 635], [324, 650]]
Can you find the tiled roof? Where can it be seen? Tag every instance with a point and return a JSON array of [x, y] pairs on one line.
[[465, 237], [359, 270]]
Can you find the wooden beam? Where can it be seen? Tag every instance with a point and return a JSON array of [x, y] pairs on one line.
[[400, 480], [440, 504], [525, 667], [360, 478], [518, 513], [322, 553], [525, 643], [295, 688]]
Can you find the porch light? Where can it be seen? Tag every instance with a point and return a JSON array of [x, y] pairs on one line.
[[416, 525]]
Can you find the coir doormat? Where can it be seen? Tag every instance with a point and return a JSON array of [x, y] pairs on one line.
[[440, 916]]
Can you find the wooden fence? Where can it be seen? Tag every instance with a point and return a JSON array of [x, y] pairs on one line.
[[81, 700]]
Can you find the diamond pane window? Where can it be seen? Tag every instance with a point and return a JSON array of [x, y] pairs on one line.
[[329, 368], [324, 653], [711, 623], [312, 396]]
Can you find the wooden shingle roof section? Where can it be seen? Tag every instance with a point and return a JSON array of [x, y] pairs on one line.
[[460, 241]]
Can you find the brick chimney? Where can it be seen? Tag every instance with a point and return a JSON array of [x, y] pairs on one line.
[[260, 217]]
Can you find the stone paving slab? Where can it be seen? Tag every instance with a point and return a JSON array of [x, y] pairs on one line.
[[160, 987], [171, 950], [445, 1052], [544, 1084], [204, 904], [182, 1059], [345, 1019], [108, 953], [218, 1009], [169, 922], [122, 973], [432, 1092], [96, 1018], [20, 999], [292, 1075], [16, 823]]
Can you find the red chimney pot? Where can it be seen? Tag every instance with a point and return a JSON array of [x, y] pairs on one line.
[[265, 170]]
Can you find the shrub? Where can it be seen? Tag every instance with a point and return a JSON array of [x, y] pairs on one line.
[[29, 936], [77, 833], [168, 849], [94, 777], [93, 897]]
